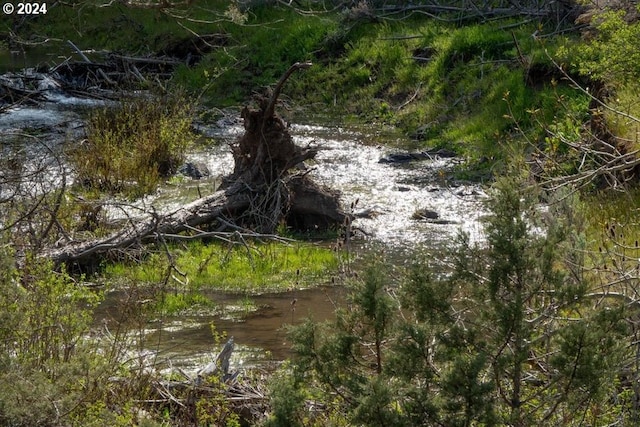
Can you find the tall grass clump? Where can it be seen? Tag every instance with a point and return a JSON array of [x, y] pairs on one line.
[[130, 147]]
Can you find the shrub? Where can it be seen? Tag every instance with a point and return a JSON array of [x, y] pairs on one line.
[[46, 367], [130, 147], [611, 55]]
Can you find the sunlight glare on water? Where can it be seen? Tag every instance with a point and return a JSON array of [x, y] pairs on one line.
[[348, 161]]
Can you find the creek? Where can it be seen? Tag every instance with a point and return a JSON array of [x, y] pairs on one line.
[[389, 193]]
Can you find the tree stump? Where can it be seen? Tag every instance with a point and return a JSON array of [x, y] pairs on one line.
[[264, 158]]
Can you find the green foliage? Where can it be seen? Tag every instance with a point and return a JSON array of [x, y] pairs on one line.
[[609, 58], [612, 54], [125, 28], [236, 267], [214, 408], [57, 370], [129, 148], [287, 399], [37, 333], [627, 102], [46, 367], [511, 337]]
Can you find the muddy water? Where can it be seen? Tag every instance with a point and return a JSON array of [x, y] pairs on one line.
[[258, 330], [11, 60]]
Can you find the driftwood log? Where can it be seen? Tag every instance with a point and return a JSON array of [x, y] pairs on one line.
[[13, 96], [263, 192]]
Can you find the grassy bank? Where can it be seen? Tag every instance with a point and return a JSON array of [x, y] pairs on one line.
[[491, 90], [464, 87], [247, 269]]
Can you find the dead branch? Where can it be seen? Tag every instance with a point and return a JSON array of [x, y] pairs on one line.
[[271, 106], [602, 157]]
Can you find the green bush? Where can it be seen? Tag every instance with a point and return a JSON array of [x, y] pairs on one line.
[[612, 55], [48, 370], [130, 147]]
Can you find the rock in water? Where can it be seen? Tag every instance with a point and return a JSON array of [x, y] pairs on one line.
[[196, 170], [425, 213]]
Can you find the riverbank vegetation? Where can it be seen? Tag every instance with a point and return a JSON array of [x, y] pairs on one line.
[[456, 82], [535, 326], [129, 148], [531, 329], [238, 267]]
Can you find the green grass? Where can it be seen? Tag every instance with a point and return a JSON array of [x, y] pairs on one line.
[[183, 303], [260, 53], [137, 30], [620, 210], [627, 102], [257, 268], [470, 89]]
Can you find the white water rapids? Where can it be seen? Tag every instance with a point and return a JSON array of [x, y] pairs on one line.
[[349, 161]]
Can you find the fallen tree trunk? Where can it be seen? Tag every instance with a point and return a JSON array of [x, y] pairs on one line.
[[261, 194], [154, 226]]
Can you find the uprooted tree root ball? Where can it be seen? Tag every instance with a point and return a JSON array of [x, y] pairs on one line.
[[264, 157]]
